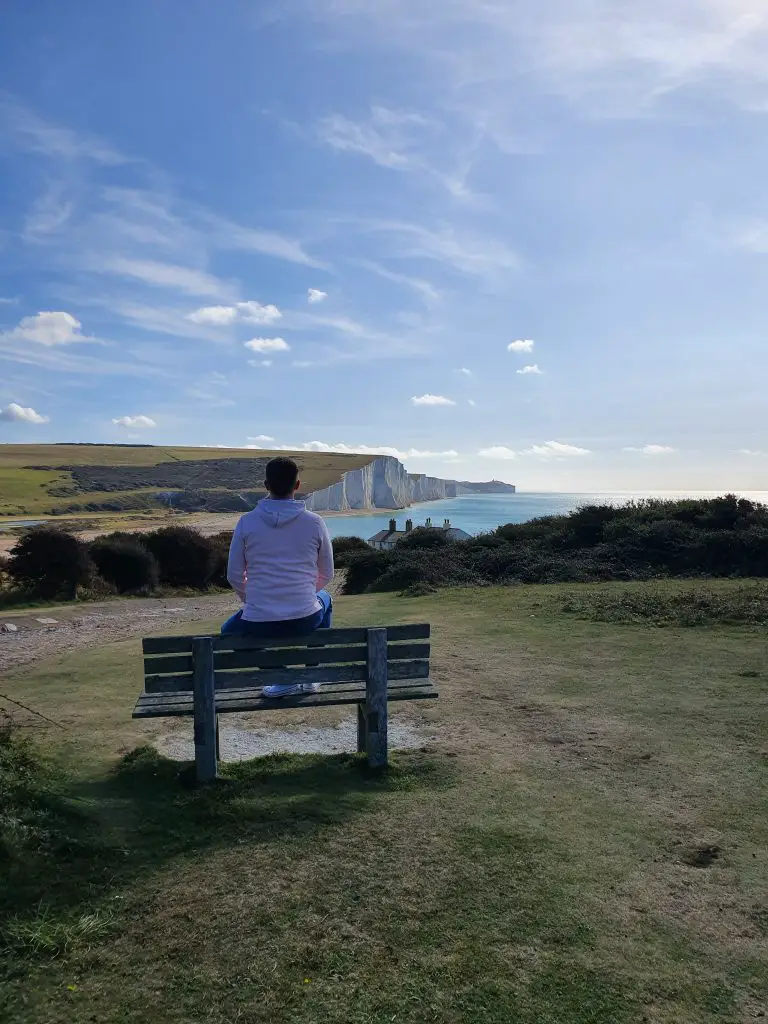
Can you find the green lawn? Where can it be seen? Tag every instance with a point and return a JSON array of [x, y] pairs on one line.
[[585, 842]]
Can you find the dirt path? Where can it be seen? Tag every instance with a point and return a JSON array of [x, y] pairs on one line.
[[97, 623]]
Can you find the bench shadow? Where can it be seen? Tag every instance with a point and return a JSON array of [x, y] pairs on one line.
[[148, 811]]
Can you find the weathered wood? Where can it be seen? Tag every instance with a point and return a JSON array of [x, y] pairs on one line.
[[204, 709], [183, 644], [418, 668], [181, 705], [247, 691], [376, 699], [361, 738], [180, 663]]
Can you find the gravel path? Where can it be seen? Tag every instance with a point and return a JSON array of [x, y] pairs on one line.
[[243, 744], [104, 622]]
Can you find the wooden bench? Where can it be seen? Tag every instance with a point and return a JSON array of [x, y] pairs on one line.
[[206, 676]]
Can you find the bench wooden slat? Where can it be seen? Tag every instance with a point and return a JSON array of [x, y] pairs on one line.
[[183, 644], [240, 693], [253, 702], [412, 669], [180, 663]]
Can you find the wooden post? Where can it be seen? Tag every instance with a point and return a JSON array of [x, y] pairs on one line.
[[360, 726], [205, 708], [376, 699]]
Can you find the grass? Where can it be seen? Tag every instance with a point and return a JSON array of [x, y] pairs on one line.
[[25, 491], [665, 605], [584, 842]]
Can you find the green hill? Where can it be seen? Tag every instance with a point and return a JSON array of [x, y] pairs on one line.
[[67, 479]]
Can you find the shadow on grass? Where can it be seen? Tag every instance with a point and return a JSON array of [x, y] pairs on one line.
[[74, 843]]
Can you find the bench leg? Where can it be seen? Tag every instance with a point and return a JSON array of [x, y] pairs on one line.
[[361, 730], [206, 732], [376, 699]]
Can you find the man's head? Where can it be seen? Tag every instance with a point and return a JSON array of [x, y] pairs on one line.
[[282, 477]]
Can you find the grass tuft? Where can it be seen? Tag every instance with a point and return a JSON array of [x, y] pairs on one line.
[[694, 606]]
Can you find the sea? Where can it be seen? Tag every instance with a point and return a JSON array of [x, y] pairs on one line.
[[480, 513]]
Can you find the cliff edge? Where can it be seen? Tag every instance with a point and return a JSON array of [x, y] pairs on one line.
[[385, 483]]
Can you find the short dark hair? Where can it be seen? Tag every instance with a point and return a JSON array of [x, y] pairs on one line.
[[281, 478]]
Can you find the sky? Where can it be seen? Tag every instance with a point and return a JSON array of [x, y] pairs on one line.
[[496, 239]]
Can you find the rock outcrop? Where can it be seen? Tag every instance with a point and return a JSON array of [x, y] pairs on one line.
[[385, 483]]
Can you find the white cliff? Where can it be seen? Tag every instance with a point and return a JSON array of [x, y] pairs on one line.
[[385, 483]]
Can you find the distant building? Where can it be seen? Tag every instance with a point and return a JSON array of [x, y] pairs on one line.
[[384, 540]]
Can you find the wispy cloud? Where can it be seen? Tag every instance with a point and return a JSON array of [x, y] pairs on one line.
[[163, 275], [465, 252], [357, 449], [30, 132], [423, 288], [652, 449], [49, 214], [556, 450], [531, 368], [15, 413], [314, 295]]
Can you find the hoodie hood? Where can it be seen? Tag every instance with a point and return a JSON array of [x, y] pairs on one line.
[[279, 511]]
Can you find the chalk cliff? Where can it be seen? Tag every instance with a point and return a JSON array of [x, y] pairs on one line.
[[385, 483]]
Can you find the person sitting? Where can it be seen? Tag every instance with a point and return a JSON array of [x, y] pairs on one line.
[[280, 561]]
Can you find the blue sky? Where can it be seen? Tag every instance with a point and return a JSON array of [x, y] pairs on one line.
[[325, 222]]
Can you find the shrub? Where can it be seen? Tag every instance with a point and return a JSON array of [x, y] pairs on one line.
[[344, 548], [125, 563], [220, 544], [364, 568], [424, 537], [698, 606], [50, 562], [185, 557]]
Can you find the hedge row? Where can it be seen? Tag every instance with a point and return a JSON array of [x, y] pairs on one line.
[[719, 537]]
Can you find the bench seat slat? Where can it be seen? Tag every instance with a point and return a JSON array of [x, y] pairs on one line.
[[180, 663], [420, 690], [183, 644], [415, 668], [185, 696]]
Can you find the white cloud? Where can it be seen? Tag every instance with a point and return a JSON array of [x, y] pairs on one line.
[[31, 133], [521, 345], [532, 368], [497, 451], [472, 402], [315, 295], [49, 213], [135, 422], [48, 328], [268, 345], [384, 138], [15, 413], [467, 253], [431, 400], [754, 237], [652, 449], [247, 312], [465, 371], [427, 291], [8, 302], [188, 280], [364, 449], [260, 362], [555, 450], [265, 438], [752, 452]]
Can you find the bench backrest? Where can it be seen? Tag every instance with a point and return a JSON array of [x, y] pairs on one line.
[[328, 655]]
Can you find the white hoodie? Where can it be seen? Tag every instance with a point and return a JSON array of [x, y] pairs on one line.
[[281, 555]]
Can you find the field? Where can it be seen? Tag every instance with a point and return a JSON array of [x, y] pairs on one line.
[[70, 479], [584, 841]]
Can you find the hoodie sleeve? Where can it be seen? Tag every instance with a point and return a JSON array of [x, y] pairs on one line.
[[236, 573], [324, 558]]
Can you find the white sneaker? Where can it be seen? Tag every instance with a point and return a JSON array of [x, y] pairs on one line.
[[290, 689]]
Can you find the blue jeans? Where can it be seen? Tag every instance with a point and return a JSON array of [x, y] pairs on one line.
[[236, 625]]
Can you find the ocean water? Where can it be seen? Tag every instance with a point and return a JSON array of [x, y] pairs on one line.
[[479, 513]]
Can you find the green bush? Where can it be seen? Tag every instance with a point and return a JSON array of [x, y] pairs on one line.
[[126, 563], [185, 557], [345, 548], [220, 544], [698, 606], [50, 563], [428, 537]]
